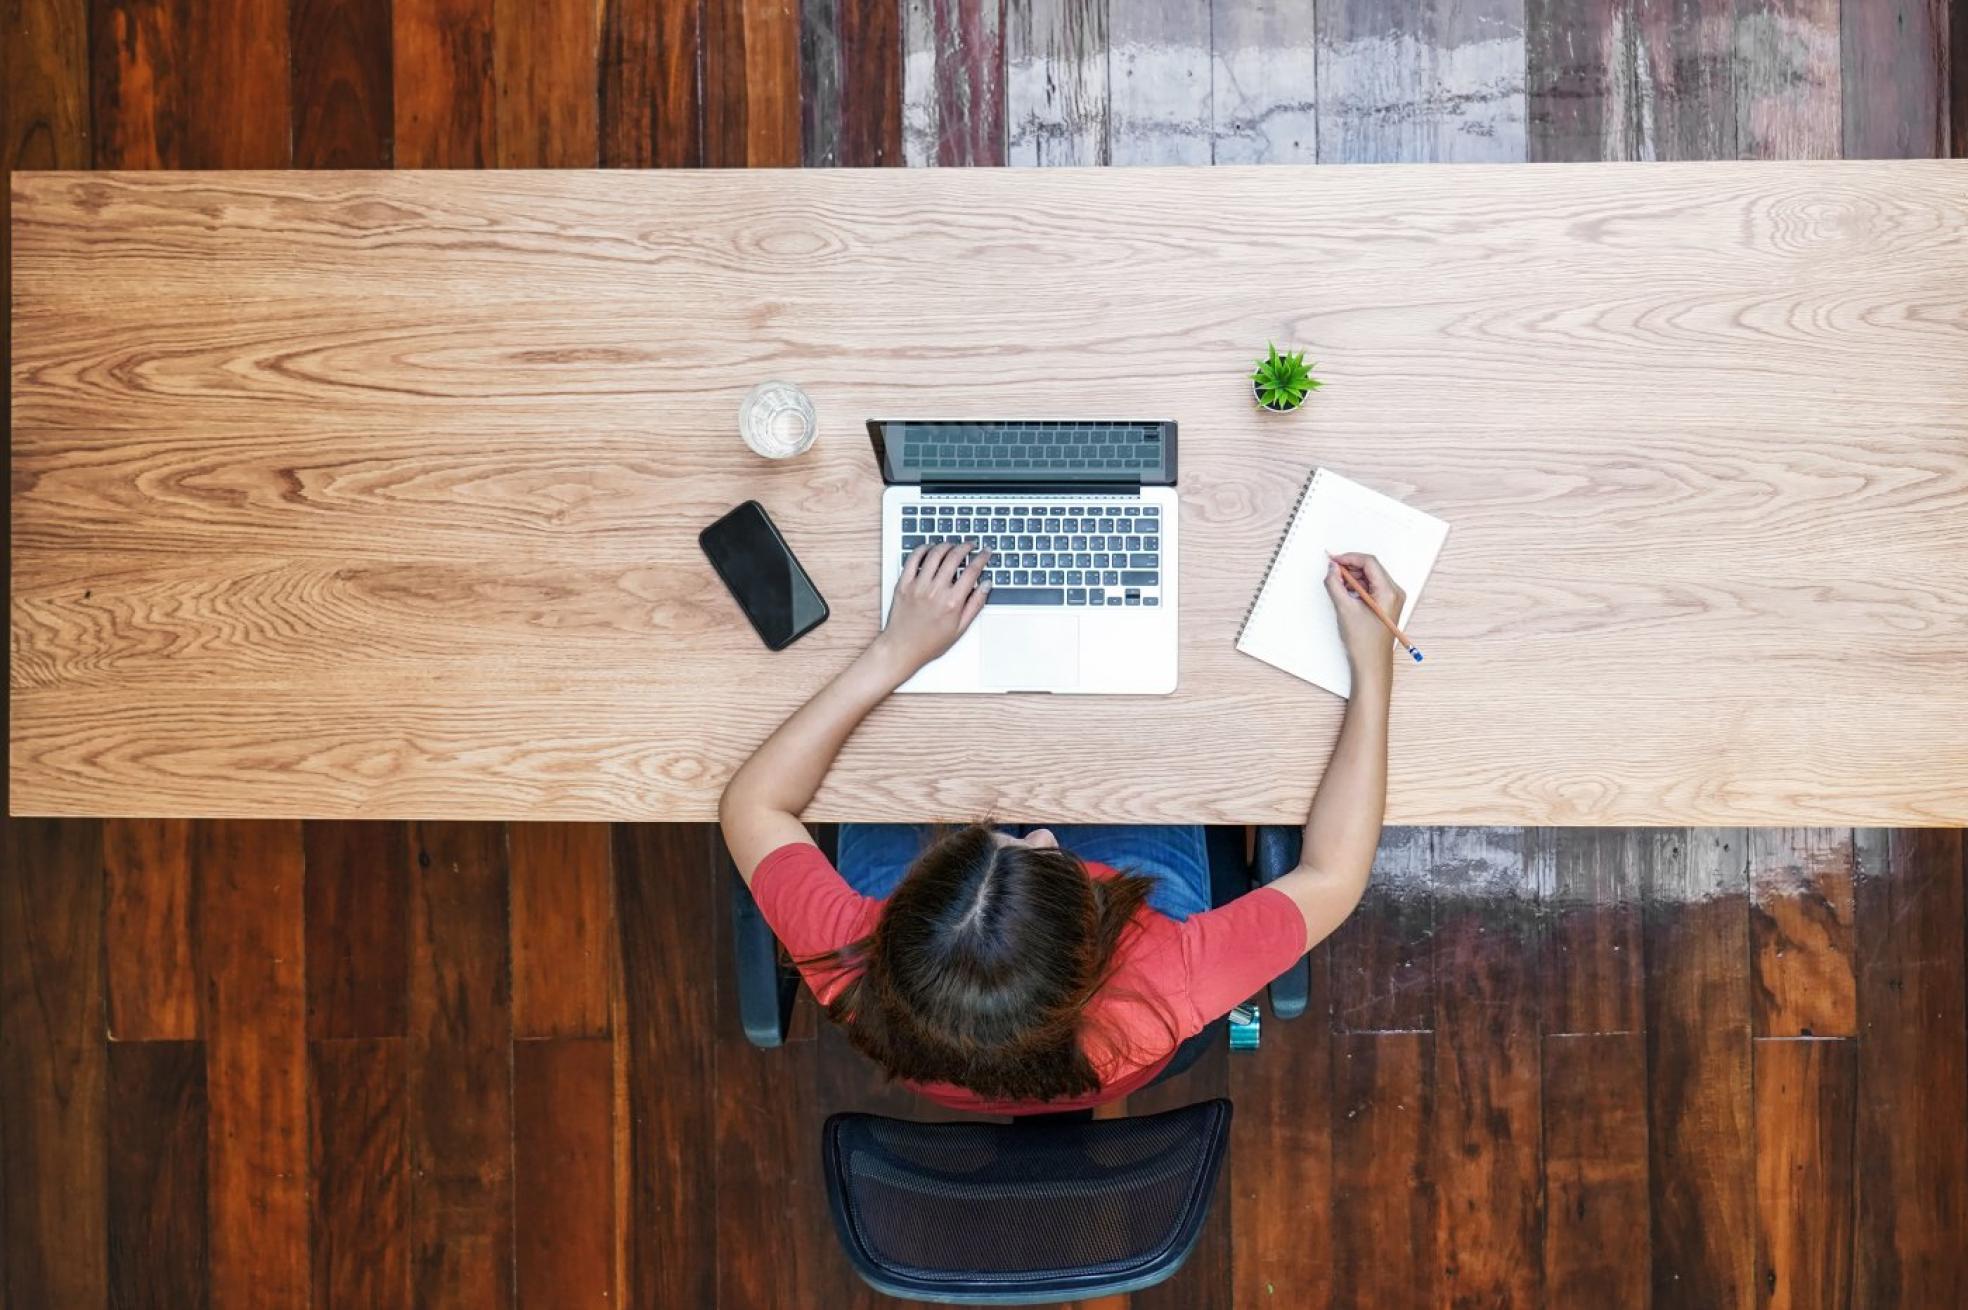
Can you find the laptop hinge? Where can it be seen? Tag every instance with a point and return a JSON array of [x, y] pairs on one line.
[[1115, 487]]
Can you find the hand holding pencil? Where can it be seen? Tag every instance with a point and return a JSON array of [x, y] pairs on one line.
[[1366, 600]]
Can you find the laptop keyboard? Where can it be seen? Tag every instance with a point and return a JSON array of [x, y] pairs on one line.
[[1078, 555], [1090, 448]]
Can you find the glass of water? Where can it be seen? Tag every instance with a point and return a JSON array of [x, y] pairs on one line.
[[777, 420]]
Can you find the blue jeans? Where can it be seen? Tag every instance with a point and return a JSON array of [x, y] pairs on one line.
[[874, 856]]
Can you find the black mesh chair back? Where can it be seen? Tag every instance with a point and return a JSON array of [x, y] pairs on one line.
[[1023, 1213]]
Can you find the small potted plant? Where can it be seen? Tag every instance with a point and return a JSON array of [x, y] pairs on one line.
[[1281, 383]]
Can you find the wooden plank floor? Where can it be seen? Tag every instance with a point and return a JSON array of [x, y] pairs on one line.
[[432, 1064]]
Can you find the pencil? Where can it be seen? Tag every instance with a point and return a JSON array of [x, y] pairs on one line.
[[1360, 590]]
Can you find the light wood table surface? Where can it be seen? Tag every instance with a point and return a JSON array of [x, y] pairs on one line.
[[378, 493]]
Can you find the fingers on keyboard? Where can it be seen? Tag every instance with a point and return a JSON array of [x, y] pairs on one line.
[[1074, 555]]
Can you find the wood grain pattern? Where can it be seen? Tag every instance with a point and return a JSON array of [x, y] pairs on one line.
[[1595, 1170], [1263, 86], [446, 109], [154, 105], [241, 119], [358, 928], [545, 70], [460, 1092], [1699, 1131], [250, 945], [1419, 81], [563, 912], [851, 83], [360, 1157], [1958, 84], [151, 976], [820, 78], [1788, 98], [1805, 1096], [922, 114], [1280, 1166], [156, 1153], [1657, 79], [202, 560], [1800, 883], [1058, 105], [1912, 1202], [47, 91], [1595, 948], [1383, 966], [1894, 59], [651, 84], [667, 1024], [622, 1145], [1159, 80], [870, 106], [1575, 54], [53, 1065], [564, 1215], [344, 84], [136, 84], [1486, 1161], [751, 83], [1383, 1198], [1682, 80], [953, 74], [44, 123]]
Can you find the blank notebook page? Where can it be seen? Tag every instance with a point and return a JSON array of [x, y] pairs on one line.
[[1291, 623]]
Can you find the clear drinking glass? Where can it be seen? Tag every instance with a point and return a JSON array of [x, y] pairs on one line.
[[777, 420]]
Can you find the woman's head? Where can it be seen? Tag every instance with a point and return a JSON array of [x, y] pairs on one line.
[[982, 962]]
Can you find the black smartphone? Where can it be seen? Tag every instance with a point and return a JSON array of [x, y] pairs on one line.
[[756, 563]]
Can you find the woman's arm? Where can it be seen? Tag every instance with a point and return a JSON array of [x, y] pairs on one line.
[[1343, 829], [934, 603]]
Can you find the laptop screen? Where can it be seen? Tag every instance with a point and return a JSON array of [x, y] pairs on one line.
[[1123, 451]]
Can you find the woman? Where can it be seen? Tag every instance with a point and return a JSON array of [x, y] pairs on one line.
[[997, 972]]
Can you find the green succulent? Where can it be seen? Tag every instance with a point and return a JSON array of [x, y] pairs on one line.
[[1284, 381]]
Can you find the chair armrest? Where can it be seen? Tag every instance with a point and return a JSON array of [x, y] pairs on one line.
[[766, 989], [1278, 849], [1229, 873]]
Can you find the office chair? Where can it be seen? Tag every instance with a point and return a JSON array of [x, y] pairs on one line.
[[1033, 1211], [1048, 1207]]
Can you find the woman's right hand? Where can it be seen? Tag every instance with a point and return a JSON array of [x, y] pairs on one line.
[[934, 603], [1369, 646]]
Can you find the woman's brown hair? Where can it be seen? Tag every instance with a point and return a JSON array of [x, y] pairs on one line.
[[983, 960]]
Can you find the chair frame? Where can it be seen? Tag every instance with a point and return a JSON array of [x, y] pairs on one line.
[[1156, 1266]]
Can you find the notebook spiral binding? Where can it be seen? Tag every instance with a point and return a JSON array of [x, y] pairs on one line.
[[1284, 539]]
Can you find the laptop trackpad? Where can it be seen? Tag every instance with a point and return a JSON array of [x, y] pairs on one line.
[[1032, 652]]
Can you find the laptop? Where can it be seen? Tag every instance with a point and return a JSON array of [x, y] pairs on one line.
[[1080, 517]]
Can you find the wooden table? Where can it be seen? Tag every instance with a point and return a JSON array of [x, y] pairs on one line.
[[377, 494]]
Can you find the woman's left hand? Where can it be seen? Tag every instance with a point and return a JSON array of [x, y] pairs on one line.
[[936, 598]]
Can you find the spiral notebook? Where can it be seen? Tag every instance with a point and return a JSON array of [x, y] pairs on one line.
[[1291, 624]]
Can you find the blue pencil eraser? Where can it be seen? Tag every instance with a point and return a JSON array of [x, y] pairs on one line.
[[1417, 654]]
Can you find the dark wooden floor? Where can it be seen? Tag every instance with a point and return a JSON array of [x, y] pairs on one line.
[[464, 1064]]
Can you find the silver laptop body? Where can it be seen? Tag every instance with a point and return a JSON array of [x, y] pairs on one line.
[[1080, 516]]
